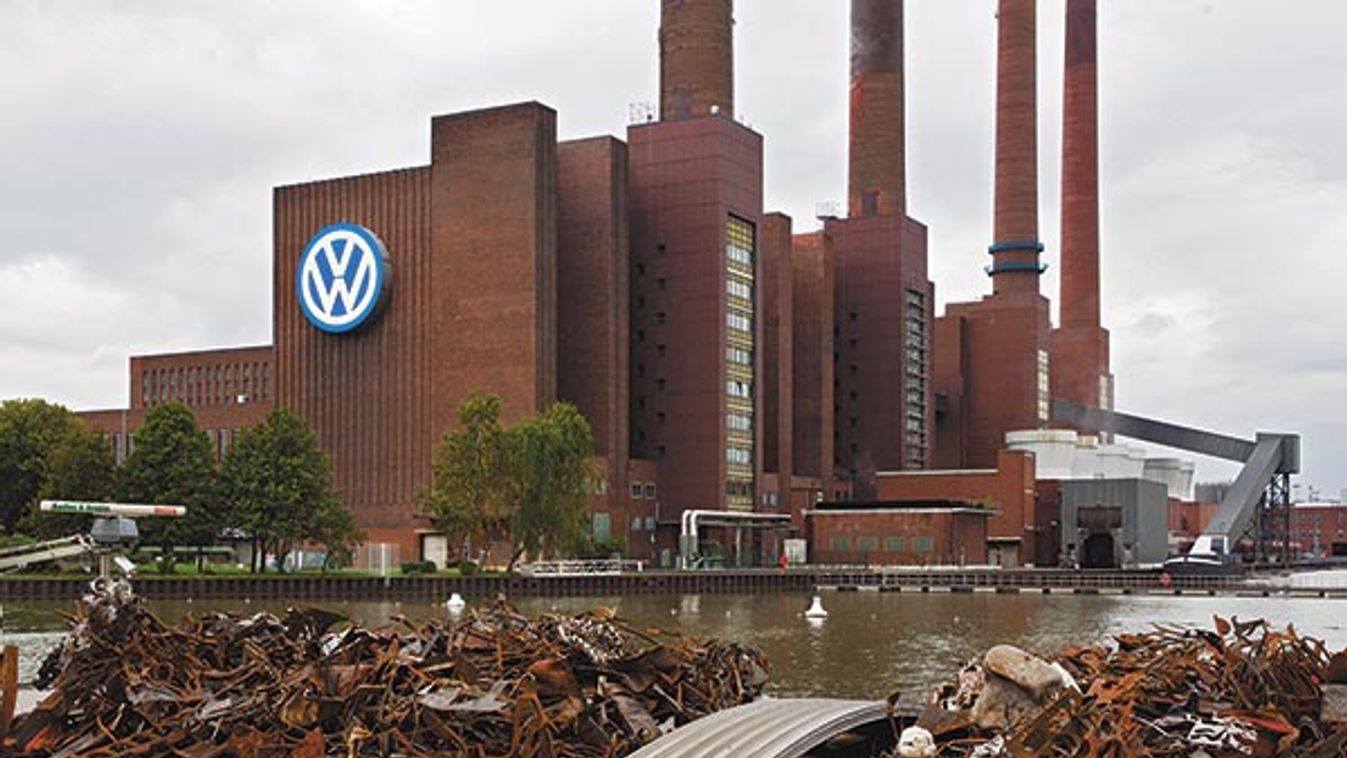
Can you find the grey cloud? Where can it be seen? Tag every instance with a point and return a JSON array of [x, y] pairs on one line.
[[139, 142]]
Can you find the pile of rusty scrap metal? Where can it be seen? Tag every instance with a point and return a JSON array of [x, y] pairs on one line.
[[1243, 689], [491, 684]]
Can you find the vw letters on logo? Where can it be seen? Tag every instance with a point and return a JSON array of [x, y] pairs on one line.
[[342, 277]]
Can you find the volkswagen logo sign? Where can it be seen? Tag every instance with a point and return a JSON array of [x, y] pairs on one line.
[[343, 277]]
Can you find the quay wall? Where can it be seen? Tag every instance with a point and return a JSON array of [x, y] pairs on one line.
[[317, 588]]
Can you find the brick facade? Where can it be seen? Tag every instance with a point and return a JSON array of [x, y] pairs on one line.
[[593, 306], [1009, 490], [880, 274], [777, 296], [898, 534], [688, 179]]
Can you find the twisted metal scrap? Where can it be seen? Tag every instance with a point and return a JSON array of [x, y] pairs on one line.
[[1243, 689], [493, 684]]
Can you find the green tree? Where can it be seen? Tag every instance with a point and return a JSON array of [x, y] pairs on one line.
[[334, 529], [171, 464], [30, 430], [524, 484], [80, 467], [279, 485], [469, 497], [550, 466]]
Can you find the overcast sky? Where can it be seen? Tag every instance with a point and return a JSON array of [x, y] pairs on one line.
[[140, 140]]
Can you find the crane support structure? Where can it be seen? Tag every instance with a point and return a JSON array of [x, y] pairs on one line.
[[1264, 481]]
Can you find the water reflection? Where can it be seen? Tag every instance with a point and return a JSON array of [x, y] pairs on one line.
[[871, 644]]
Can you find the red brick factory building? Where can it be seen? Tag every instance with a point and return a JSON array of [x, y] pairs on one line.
[[726, 360]]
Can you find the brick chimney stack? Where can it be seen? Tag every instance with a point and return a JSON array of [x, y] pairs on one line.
[[696, 41], [1016, 246], [1080, 170], [877, 165]]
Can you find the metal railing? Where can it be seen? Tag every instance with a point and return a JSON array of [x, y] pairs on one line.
[[611, 566]]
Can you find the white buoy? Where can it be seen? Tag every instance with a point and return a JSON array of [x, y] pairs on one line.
[[455, 602], [816, 610]]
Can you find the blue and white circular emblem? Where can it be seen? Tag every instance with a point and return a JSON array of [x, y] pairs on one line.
[[343, 277]]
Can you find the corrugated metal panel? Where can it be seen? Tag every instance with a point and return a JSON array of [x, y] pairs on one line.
[[765, 729]]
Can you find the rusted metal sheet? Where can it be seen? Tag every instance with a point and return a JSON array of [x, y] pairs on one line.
[[492, 684], [767, 729], [9, 685]]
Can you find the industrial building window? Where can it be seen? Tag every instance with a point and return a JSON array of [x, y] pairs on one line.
[[602, 529], [737, 421], [740, 242], [738, 455], [739, 389], [894, 544], [1044, 388], [923, 544], [840, 544], [867, 544], [739, 355], [636, 523], [736, 320], [914, 374], [739, 289], [650, 490], [635, 490]]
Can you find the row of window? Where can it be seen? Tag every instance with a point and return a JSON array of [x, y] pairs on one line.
[[738, 288], [221, 440], [740, 242], [869, 544], [738, 488], [741, 246], [1044, 388], [207, 385], [735, 388], [737, 421], [646, 489], [914, 456]]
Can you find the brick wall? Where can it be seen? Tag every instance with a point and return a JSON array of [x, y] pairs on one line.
[[898, 536], [1009, 489]]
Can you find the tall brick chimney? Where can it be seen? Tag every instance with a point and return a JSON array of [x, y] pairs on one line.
[[1016, 247], [696, 71], [877, 164], [1080, 170]]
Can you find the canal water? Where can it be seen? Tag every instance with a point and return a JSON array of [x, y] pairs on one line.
[[870, 645]]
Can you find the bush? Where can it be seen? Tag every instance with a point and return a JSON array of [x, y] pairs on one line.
[[589, 548], [419, 567], [467, 567]]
